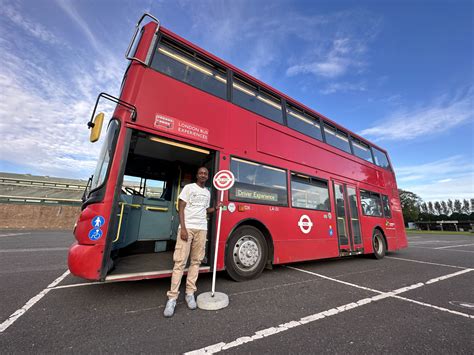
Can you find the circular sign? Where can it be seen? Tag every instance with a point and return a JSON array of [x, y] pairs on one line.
[[223, 180], [305, 224], [95, 234], [97, 221]]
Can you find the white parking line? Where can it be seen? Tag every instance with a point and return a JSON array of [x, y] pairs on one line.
[[18, 313], [435, 307], [425, 262], [31, 250], [464, 251], [285, 326], [433, 241], [455, 246], [13, 234], [333, 279], [80, 285], [211, 349]]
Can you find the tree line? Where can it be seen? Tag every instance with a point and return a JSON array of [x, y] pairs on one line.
[[415, 209]]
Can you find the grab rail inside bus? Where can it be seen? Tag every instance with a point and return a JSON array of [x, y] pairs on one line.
[[132, 108], [137, 28]]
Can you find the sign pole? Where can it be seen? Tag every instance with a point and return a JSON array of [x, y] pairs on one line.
[[214, 271], [213, 300]]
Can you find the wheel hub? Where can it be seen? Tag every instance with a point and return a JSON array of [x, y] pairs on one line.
[[377, 245], [246, 252]]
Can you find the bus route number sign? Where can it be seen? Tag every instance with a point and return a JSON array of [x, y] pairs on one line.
[[223, 180]]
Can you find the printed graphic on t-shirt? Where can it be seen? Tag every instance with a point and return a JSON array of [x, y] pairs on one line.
[[197, 201]]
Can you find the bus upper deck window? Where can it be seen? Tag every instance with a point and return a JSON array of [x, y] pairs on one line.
[[381, 158], [190, 69], [337, 138]]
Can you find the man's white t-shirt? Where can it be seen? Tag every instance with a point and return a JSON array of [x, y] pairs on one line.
[[197, 201]]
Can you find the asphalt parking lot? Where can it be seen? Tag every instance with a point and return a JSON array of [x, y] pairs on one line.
[[416, 300]]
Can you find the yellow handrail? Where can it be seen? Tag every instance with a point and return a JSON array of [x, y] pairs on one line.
[[123, 204], [120, 223], [179, 189], [160, 209]]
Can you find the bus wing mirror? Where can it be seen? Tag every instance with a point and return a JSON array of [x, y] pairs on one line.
[[96, 127]]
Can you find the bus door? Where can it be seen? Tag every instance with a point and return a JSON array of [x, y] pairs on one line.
[[146, 210], [348, 223], [157, 213], [156, 170]]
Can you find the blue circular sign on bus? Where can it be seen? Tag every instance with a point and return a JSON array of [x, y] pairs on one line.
[[95, 234], [98, 221]]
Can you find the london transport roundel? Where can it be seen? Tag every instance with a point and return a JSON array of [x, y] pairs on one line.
[[223, 180], [305, 224]]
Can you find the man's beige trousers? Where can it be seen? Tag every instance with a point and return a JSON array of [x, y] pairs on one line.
[[194, 247]]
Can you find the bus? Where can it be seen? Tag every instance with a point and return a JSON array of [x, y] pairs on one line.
[[305, 187]]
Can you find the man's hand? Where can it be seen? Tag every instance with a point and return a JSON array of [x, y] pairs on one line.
[[184, 234], [219, 205]]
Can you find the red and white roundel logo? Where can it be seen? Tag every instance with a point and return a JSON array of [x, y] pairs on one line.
[[223, 180], [305, 224]]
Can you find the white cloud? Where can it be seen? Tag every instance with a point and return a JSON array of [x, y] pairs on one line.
[[342, 50], [329, 46], [443, 114], [337, 62], [71, 11], [451, 177], [343, 87], [34, 29], [445, 180], [45, 102]]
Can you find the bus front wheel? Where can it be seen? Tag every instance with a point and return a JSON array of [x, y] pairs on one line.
[[378, 244], [246, 253]]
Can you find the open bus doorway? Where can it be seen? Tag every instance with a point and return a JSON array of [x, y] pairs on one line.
[[156, 171]]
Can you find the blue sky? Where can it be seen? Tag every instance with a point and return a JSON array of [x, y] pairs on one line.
[[398, 72]]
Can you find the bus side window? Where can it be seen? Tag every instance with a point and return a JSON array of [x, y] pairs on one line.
[[371, 204], [310, 193], [258, 183], [386, 207], [381, 158], [154, 189]]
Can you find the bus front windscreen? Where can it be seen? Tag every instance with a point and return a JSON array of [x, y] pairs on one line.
[[105, 155]]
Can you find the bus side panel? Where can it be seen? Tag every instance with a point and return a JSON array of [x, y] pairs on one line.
[[289, 242], [293, 244], [368, 226], [85, 260]]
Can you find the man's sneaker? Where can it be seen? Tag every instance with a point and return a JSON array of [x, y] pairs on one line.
[[190, 301], [169, 309]]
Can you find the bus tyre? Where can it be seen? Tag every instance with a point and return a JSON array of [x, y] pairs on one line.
[[378, 244], [246, 253]]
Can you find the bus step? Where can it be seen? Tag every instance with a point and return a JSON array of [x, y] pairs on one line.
[[160, 246]]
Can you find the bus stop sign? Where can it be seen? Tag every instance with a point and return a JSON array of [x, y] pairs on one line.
[[223, 180]]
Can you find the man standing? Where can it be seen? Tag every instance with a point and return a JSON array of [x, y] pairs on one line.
[[191, 239]]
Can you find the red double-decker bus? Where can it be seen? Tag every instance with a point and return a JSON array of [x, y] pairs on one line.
[[305, 187]]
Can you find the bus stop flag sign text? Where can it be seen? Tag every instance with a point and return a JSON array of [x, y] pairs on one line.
[[222, 181]]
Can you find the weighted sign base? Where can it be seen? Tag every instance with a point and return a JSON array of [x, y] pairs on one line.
[[207, 302]]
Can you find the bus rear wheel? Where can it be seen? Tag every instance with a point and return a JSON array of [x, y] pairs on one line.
[[378, 244], [246, 253]]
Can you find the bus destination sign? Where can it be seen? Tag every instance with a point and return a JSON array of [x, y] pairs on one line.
[[256, 195]]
